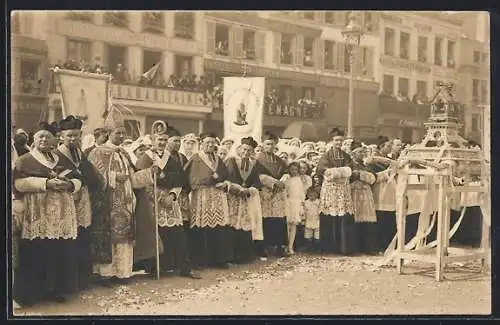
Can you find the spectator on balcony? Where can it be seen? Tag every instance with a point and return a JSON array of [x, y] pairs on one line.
[[386, 93], [401, 97], [192, 82], [97, 68], [118, 75], [222, 47], [308, 59], [126, 75], [171, 81]]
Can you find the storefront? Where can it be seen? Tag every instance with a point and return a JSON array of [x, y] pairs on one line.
[[141, 106], [409, 131], [29, 75]]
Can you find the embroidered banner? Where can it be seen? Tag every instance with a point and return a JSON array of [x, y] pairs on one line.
[[84, 95], [243, 107]]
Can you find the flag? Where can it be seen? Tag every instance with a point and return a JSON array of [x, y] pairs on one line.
[[151, 73], [84, 95], [243, 107]]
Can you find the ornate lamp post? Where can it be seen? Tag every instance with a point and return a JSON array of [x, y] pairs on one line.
[[352, 35]]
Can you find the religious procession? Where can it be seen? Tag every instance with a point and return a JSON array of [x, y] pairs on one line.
[[249, 163], [95, 212]]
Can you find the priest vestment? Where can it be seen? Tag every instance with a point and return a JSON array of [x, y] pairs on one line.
[[245, 215], [337, 229], [113, 225], [273, 202], [74, 163], [173, 243], [210, 233], [47, 260]]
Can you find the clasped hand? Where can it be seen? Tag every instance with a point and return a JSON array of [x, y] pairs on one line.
[[59, 185]]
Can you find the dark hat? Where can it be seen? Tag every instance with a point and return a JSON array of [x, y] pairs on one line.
[[270, 136], [207, 135], [53, 128], [336, 132], [249, 141], [173, 132], [70, 123], [381, 140], [356, 144]]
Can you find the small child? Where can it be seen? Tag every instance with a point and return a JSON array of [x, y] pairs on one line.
[[295, 198], [311, 211], [305, 175]]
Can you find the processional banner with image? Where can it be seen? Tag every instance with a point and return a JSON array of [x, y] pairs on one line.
[[243, 107], [84, 95]]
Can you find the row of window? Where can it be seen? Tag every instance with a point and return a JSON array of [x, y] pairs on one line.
[[422, 47], [403, 87], [288, 50], [152, 22], [480, 90], [81, 51], [336, 18], [479, 57]]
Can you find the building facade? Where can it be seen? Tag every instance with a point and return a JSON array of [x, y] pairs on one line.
[[419, 51], [136, 41], [303, 56], [29, 64], [474, 75]]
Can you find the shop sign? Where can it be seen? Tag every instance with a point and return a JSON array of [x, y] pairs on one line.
[[299, 111], [167, 96]]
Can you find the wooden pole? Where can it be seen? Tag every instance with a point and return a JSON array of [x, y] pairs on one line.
[[157, 235]]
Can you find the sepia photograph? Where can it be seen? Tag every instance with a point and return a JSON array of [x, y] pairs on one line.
[[249, 163]]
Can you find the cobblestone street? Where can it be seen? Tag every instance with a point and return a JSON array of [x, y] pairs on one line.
[[299, 285]]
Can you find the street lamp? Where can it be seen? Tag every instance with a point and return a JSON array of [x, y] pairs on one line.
[[352, 35]]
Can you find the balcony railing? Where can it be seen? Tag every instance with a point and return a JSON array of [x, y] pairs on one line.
[[160, 95], [29, 87], [390, 105]]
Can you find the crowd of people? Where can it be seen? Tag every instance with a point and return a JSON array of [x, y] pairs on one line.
[[402, 97], [121, 74], [86, 210]]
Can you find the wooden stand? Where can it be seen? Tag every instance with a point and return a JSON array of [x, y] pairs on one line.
[[443, 254]]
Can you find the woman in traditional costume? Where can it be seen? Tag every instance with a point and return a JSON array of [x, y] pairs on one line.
[[48, 267], [337, 227], [245, 216], [189, 145]]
